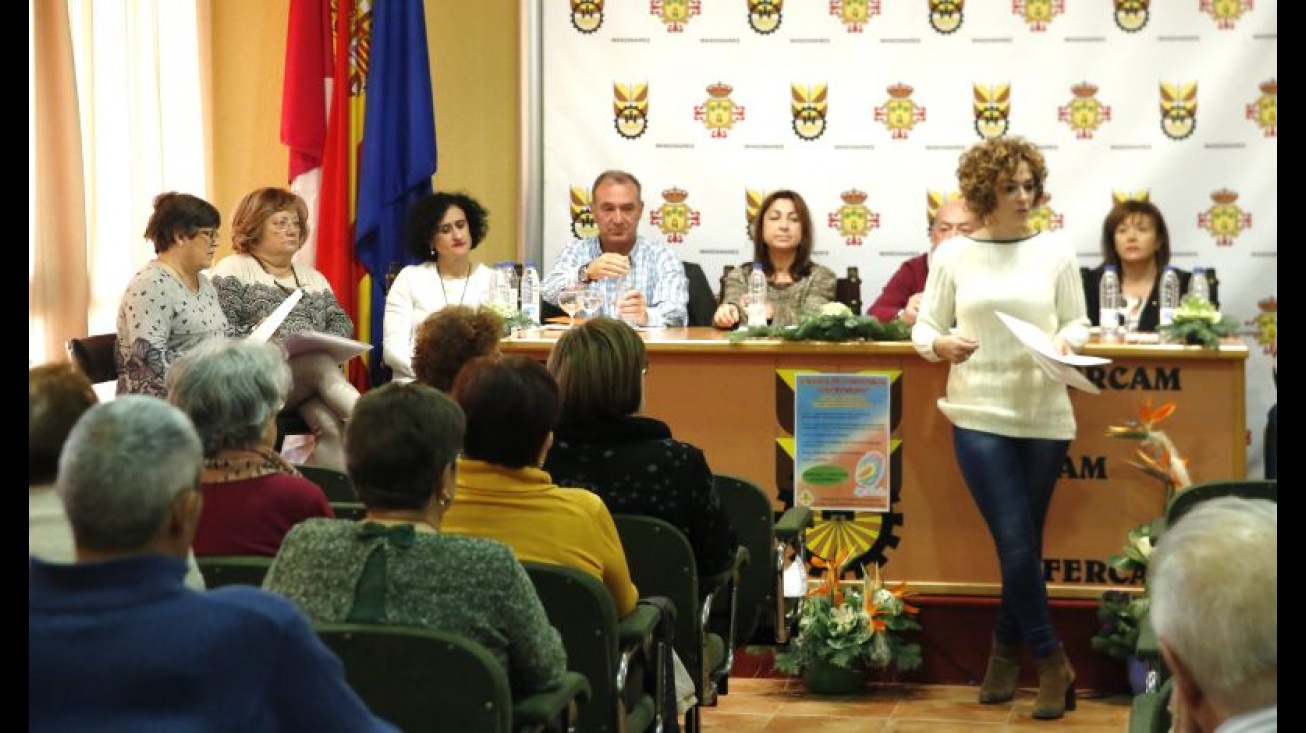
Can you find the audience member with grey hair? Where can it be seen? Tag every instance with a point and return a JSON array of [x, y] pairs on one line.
[[117, 642], [232, 390], [1214, 580], [57, 395]]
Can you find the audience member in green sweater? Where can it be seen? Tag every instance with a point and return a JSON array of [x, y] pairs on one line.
[[396, 566]]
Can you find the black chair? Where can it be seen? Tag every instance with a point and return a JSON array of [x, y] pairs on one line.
[[220, 570], [702, 303], [427, 680], [763, 616], [662, 563], [94, 356], [618, 657], [339, 490], [335, 483]]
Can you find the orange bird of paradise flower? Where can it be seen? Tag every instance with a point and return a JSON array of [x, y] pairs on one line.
[[870, 586], [829, 585], [1146, 423]]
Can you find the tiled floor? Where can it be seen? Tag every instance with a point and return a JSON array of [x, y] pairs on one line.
[[779, 705]]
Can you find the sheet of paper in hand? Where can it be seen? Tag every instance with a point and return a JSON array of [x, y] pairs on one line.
[[340, 348], [1060, 367]]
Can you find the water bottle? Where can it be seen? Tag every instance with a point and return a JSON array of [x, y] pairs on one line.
[[530, 292], [507, 285], [1198, 286], [1110, 304], [757, 296], [1169, 294]]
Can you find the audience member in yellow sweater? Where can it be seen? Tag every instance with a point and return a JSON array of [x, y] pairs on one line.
[[511, 406]]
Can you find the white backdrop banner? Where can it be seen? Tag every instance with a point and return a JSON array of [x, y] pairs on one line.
[[863, 107]]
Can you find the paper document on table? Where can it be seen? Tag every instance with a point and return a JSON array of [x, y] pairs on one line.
[[264, 330], [1060, 367], [340, 348]]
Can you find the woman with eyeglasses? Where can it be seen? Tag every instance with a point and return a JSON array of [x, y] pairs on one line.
[[270, 226], [170, 305]]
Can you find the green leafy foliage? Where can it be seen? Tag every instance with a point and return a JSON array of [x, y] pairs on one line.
[[834, 322], [840, 631], [1198, 323], [1119, 614]]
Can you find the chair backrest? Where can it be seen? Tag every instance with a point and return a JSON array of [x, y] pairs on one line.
[[662, 563], [751, 515], [848, 290], [220, 570], [94, 356], [1193, 495], [335, 483], [702, 301], [422, 679], [580, 607]]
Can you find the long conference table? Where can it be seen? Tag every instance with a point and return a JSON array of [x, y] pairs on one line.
[[724, 398]]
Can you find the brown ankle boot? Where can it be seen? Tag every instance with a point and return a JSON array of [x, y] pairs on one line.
[[1056, 686], [1000, 678]]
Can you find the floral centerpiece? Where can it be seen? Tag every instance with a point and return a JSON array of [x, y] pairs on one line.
[[858, 628], [833, 322], [1119, 612], [1198, 322], [513, 319]]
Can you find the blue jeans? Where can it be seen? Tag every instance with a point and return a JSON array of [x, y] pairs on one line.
[[1011, 480]]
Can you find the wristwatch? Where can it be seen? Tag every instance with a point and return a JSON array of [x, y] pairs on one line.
[[581, 275]]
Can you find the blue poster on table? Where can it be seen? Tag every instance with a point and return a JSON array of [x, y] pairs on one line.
[[842, 441]]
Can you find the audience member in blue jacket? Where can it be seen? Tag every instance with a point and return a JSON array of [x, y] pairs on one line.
[[117, 642]]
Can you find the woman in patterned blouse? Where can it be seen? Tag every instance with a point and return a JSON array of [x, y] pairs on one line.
[[170, 305], [270, 226], [783, 238]]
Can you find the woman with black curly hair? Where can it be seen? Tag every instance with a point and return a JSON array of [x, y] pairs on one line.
[[440, 231]]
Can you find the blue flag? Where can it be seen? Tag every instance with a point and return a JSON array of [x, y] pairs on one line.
[[398, 155]]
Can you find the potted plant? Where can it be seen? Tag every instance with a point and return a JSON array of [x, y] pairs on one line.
[[1121, 612], [1197, 322], [846, 631]]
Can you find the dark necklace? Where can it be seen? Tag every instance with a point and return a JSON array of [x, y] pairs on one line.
[[467, 280], [277, 281]]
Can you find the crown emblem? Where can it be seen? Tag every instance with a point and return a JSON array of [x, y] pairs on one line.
[[900, 91], [1224, 196], [1268, 305], [720, 90], [1119, 197], [1084, 90], [853, 196], [675, 195], [1270, 87]]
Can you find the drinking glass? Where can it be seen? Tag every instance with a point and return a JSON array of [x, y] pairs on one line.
[[569, 300], [592, 300]]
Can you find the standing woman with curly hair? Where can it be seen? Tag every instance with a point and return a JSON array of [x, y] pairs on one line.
[[1011, 423], [440, 231]]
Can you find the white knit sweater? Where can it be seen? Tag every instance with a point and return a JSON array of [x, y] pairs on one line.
[[1000, 389]]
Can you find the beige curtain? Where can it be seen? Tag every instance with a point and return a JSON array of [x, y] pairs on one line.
[[58, 281], [119, 114]]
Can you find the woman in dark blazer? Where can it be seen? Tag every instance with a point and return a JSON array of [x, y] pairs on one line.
[[1135, 239], [601, 442]]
